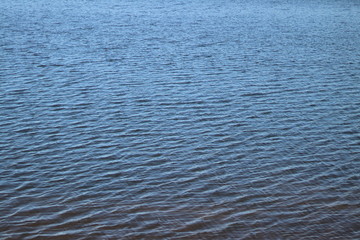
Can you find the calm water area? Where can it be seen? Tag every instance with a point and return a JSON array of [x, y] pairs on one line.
[[182, 119]]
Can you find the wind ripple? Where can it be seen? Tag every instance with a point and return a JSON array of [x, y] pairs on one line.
[[179, 120]]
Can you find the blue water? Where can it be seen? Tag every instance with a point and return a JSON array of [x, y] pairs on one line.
[[179, 119]]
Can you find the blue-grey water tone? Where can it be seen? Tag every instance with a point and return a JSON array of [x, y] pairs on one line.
[[179, 119]]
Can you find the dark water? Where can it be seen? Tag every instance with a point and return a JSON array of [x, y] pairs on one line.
[[179, 119]]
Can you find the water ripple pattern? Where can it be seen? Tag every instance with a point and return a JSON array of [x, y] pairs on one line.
[[179, 119]]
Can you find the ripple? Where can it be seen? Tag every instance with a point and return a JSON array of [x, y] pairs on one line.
[[179, 120]]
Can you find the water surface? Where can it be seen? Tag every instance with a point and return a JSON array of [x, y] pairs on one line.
[[179, 119]]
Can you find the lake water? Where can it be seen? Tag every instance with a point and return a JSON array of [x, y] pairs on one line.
[[179, 119]]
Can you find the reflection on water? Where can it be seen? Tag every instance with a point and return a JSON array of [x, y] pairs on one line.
[[179, 120]]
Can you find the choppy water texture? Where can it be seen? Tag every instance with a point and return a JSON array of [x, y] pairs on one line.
[[179, 119]]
